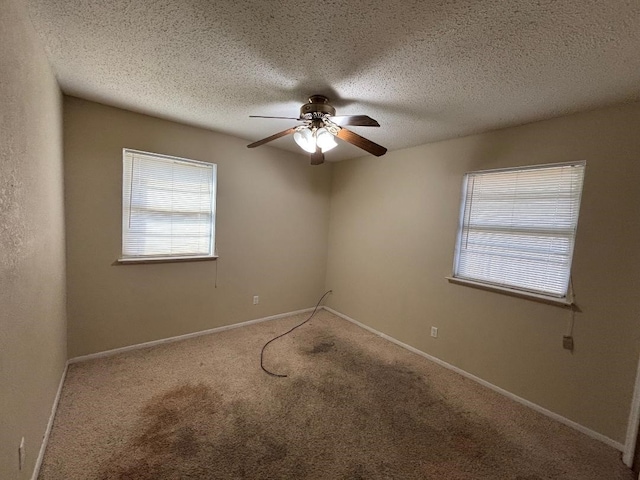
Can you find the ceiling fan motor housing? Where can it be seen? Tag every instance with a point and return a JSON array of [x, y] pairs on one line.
[[317, 107]]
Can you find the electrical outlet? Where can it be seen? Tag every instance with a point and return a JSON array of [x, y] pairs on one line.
[[434, 332], [567, 342], [256, 299], [21, 454]]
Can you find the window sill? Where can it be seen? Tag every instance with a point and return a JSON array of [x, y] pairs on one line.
[[560, 302], [138, 261]]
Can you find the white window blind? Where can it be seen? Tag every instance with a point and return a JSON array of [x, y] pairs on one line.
[[168, 207], [517, 227]]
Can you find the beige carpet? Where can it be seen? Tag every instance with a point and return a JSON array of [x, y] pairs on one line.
[[353, 407]]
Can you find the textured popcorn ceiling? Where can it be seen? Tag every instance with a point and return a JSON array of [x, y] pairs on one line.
[[426, 70]]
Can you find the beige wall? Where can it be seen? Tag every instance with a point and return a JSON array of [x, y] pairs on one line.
[[32, 270], [391, 242], [272, 226]]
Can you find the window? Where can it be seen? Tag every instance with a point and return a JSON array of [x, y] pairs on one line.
[[168, 207], [517, 228]]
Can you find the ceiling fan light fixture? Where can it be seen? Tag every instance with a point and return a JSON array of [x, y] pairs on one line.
[[325, 140], [305, 140], [320, 126]]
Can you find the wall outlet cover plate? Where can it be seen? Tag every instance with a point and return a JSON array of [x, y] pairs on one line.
[[567, 342]]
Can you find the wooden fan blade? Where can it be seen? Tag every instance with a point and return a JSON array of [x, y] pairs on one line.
[[317, 158], [283, 118], [361, 142], [275, 136], [355, 120]]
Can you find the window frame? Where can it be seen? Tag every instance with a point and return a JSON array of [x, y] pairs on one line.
[[567, 300], [150, 259]]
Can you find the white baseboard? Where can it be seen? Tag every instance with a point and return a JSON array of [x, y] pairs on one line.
[[581, 428], [128, 348], [632, 424], [47, 432]]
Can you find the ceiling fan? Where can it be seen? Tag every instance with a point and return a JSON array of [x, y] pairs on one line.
[[320, 126]]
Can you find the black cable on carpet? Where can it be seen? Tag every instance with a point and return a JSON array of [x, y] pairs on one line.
[[287, 332]]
